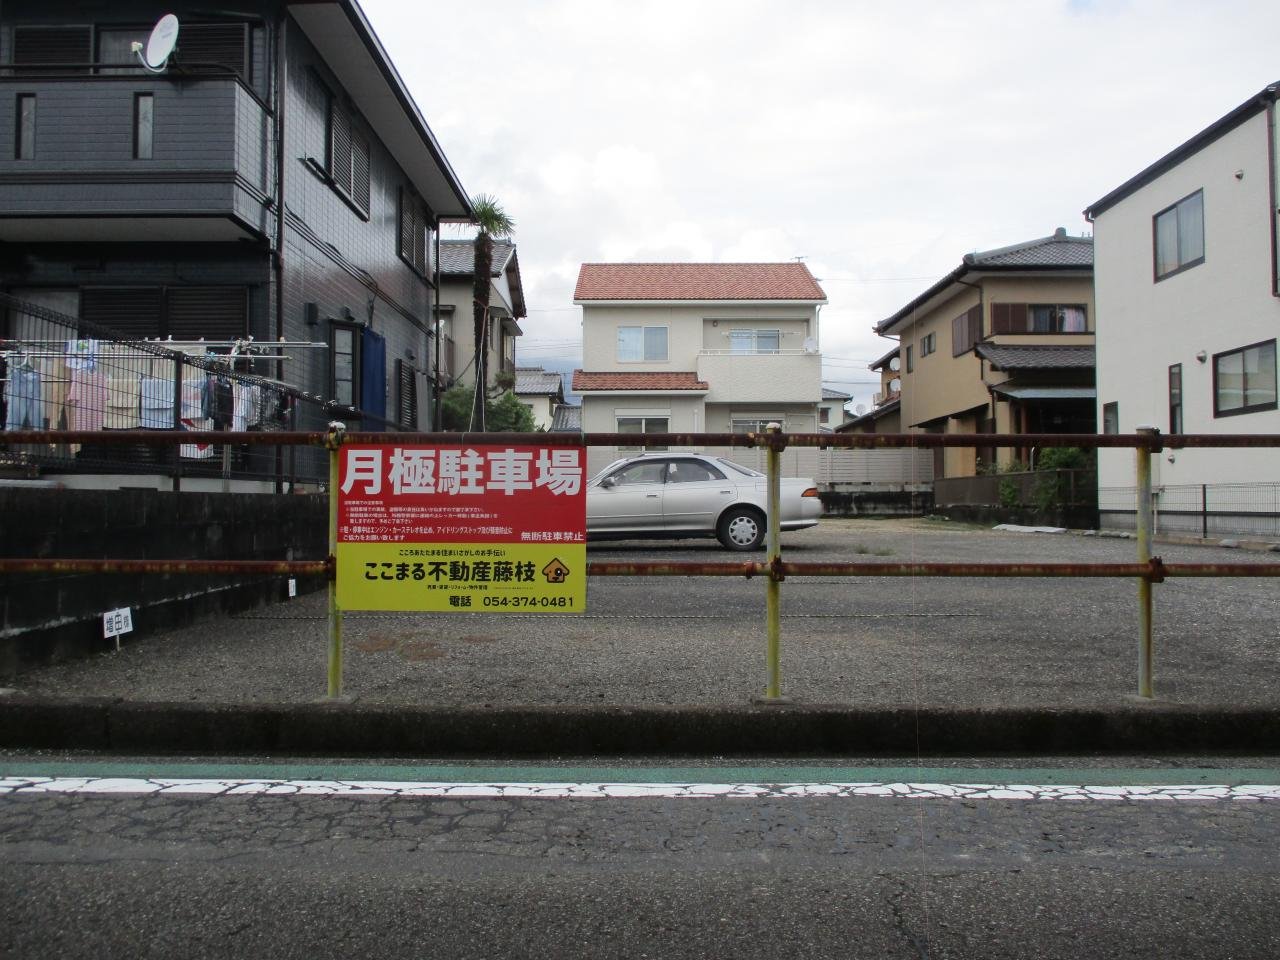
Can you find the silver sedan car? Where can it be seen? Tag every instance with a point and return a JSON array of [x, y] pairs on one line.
[[691, 495]]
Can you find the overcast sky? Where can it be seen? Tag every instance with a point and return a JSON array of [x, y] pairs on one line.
[[880, 141]]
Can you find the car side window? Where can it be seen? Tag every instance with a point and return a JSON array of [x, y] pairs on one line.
[[647, 472], [689, 471]]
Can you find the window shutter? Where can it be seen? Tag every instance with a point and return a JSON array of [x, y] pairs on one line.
[[130, 313], [406, 224], [407, 396], [214, 313], [340, 148], [220, 43], [35, 46], [360, 171], [1008, 318]]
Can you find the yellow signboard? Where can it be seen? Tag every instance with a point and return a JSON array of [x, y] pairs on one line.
[[456, 529], [463, 577]]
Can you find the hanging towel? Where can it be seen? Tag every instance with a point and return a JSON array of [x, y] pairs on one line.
[[157, 403], [122, 403], [242, 405], [193, 399]]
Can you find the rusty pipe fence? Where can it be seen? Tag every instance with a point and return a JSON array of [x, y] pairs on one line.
[[1147, 570]]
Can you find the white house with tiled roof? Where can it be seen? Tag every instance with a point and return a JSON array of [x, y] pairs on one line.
[[698, 347]]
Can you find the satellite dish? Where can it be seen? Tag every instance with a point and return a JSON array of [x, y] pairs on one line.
[[860, 409], [159, 47], [810, 345], [893, 363]]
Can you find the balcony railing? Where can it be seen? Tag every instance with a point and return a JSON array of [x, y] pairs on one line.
[[208, 166], [787, 376]]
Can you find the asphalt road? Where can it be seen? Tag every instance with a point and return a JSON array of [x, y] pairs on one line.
[[865, 641], [297, 876]]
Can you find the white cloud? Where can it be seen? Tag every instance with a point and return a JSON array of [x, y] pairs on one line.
[[879, 140]]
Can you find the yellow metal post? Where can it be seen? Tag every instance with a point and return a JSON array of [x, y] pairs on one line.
[[334, 443], [773, 469], [1145, 526]]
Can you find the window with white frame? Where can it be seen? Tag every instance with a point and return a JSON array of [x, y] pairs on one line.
[[1244, 380], [1110, 418], [642, 425], [745, 340], [642, 344], [928, 344], [745, 425], [1179, 235]]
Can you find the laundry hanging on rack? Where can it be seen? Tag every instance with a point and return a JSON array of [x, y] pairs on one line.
[[122, 403], [82, 354], [157, 403], [23, 396], [87, 399]]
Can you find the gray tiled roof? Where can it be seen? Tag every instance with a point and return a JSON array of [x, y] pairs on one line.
[[829, 394], [1032, 357], [1058, 250], [536, 380], [566, 419], [458, 257]]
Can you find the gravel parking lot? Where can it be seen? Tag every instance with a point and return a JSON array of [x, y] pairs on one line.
[[700, 641]]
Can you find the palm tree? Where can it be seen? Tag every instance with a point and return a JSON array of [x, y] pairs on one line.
[[493, 223]]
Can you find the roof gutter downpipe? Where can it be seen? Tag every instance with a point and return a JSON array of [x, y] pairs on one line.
[[278, 253], [1273, 212], [277, 256]]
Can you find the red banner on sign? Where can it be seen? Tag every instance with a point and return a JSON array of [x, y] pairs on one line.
[[456, 494]]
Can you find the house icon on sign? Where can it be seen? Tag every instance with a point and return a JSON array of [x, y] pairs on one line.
[[555, 571]]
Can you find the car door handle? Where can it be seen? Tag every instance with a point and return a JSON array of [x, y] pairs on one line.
[[727, 493], [651, 496]]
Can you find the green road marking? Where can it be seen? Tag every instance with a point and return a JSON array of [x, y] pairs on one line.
[[400, 773]]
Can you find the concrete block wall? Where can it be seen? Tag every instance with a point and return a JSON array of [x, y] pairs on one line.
[[50, 617]]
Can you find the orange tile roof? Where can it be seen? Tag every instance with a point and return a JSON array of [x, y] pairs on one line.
[[697, 281], [587, 381]]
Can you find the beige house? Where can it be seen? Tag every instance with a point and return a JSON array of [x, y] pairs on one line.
[[697, 348], [1002, 344], [883, 417], [541, 391], [457, 317]]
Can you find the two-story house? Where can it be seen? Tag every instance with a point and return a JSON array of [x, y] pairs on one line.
[[1188, 293], [883, 417], [1002, 344], [457, 313], [542, 392], [274, 179], [697, 347]]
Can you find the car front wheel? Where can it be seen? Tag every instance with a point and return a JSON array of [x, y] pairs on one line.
[[741, 528]]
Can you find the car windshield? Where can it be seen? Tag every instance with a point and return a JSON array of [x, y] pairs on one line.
[[745, 471]]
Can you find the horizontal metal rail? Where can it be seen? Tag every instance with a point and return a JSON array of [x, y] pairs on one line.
[[853, 441], [1147, 571], [1156, 570], [250, 567]]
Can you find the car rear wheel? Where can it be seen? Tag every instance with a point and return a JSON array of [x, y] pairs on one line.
[[741, 528]]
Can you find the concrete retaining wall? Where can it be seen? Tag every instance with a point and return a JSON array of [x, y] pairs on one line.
[[355, 730], [49, 617]]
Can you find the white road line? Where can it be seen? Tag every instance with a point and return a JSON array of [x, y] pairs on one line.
[[562, 791]]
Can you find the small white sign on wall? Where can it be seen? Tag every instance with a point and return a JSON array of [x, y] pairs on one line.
[[116, 622]]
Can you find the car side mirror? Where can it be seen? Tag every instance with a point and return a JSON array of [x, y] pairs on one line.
[[609, 482]]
